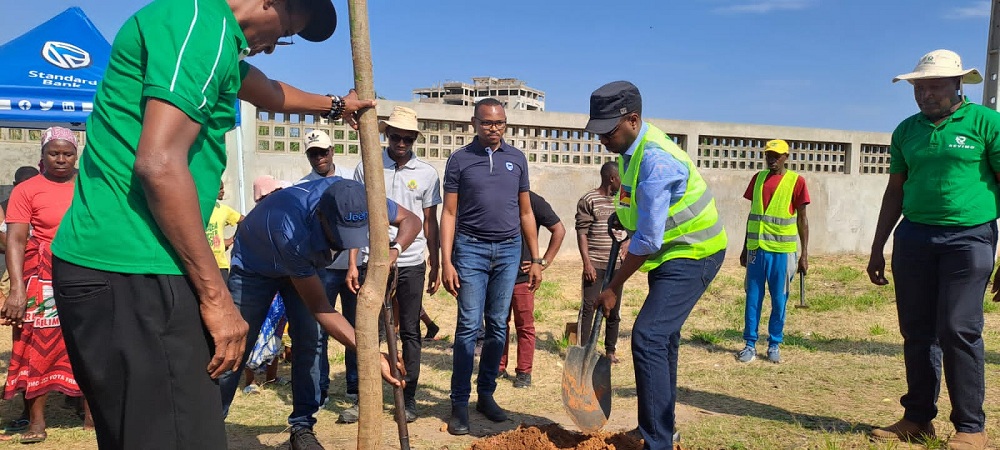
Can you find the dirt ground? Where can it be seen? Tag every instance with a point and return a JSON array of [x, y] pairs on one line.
[[555, 437]]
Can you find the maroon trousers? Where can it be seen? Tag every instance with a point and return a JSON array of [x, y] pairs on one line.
[[522, 308]]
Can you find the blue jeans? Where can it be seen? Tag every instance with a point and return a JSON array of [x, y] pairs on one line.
[[486, 273], [776, 271], [674, 288], [940, 275], [335, 282], [253, 294]]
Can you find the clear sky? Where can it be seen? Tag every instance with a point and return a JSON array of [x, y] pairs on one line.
[[811, 63]]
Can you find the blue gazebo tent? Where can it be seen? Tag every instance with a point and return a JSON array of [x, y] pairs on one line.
[[51, 73]]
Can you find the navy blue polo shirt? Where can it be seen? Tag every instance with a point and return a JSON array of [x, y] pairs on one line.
[[487, 184], [282, 236]]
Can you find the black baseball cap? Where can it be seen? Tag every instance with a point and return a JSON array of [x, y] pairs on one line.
[[609, 103], [322, 20], [345, 207]]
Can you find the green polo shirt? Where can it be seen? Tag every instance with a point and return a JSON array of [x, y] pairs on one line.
[[185, 52], [950, 167]]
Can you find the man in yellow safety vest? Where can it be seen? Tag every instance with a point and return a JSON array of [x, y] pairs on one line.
[[778, 199], [678, 240]]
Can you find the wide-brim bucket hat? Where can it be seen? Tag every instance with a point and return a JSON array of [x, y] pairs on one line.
[[941, 64]]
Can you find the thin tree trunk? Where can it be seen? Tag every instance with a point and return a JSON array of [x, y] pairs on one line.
[[370, 297]]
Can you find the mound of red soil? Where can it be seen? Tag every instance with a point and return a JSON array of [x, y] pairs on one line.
[[554, 437]]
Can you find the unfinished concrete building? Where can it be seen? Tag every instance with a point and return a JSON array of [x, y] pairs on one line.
[[511, 91]]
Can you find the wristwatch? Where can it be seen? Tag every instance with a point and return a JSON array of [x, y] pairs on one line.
[[541, 261]]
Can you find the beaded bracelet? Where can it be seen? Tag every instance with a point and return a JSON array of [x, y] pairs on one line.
[[336, 108]]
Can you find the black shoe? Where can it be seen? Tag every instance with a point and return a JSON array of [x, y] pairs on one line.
[[304, 439], [432, 331], [522, 380], [491, 409], [503, 375], [410, 405], [459, 422]]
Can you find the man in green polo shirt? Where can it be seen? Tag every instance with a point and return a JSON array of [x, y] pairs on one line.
[[148, 322], [943, 181]]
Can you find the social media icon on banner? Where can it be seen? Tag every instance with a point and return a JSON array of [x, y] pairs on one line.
[[24, 105], [88, 107], [69, 106], [5, 104], [45, 105]]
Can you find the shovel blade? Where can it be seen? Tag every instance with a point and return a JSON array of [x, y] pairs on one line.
[[586, 388]]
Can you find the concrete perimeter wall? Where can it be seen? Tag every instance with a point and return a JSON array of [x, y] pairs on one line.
[[845, 170]]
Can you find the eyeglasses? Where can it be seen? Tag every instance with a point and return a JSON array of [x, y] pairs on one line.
[[406, 139], [317, 153], [492, 123], [288, 42]]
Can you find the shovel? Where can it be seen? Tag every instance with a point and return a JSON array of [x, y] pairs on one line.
[[802, 292], [586, 382], [390, 338]]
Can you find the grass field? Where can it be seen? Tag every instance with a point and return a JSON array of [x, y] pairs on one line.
[[842, 374]]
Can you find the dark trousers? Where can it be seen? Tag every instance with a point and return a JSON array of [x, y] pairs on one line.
[[586, 317], [674, 288], [409, 298], [940, 274], [335, 282], [140, 352]]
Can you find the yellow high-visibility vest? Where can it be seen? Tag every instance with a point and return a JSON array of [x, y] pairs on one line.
[[693, 229], [774, 229]]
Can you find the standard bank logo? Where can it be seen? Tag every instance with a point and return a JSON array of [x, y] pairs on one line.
[[65, 56]]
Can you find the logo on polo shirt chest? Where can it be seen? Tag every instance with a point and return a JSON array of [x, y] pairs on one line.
[[412, 185], [510, 166], [960, 143]]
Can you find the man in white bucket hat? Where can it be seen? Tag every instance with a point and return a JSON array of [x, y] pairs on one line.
[[416, 186], [943, 181]]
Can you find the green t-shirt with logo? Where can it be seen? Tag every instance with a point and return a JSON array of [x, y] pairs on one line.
[[950, 167], [187, 53]]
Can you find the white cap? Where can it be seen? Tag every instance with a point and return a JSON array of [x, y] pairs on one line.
[[317, 138]]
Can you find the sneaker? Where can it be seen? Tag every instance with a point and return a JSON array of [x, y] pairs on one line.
[[251, 389], [410, 405], [968, 441], [522, 380], [747, 354], [349, 415], [324, 398], [905, 431], [304, 439], [351, 397], [503, 375], [773, 354], [432, 331]]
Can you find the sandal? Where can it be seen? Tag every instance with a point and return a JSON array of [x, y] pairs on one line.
[[16, 426], [33, 437]]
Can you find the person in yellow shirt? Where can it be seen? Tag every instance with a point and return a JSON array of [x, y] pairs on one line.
[[222, 216]]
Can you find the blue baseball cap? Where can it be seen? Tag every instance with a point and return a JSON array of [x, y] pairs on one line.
[[345, 206]]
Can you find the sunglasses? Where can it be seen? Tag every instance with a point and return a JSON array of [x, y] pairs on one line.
[[406, 139], [317, 153]]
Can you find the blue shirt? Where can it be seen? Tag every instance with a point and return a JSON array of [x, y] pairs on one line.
[[662, 182], [488, 184], [282, 237]]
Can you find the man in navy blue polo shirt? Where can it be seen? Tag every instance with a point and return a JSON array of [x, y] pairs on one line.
[[281, 246], [486, 210]]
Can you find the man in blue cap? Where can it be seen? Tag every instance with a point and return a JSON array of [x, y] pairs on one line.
[[280, 247], [678, 240]]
